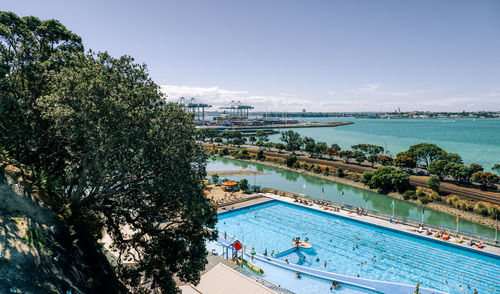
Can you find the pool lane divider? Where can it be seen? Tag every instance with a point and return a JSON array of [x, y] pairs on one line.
[[372, 285]]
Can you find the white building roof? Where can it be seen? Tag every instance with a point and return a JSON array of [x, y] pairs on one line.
[[223, 280]]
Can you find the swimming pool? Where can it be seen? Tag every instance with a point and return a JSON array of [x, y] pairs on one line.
[[352, 248]]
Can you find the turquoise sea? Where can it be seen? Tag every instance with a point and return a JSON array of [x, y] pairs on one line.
[[476, 141]]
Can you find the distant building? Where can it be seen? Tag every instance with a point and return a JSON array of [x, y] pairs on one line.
[[304, 111]]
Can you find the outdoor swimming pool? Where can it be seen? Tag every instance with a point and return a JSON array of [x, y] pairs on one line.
[[352, 248]]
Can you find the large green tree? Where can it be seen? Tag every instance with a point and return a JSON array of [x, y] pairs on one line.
[[387, 179], [292, 139], [106, 150], [424, 153]]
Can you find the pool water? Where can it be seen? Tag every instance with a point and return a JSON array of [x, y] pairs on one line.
[[288, 279], [355, 249]]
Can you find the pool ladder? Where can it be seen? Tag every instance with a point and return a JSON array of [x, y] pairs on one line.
[[263, 282]]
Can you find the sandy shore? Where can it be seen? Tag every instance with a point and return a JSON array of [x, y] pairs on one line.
[[225, 173], [441, 206]]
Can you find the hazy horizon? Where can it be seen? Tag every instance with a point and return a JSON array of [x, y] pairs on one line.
[[328, 56]]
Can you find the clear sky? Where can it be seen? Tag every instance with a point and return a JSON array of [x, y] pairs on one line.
[[289, 55]]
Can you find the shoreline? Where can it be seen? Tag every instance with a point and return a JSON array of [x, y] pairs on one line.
[[442, 207]]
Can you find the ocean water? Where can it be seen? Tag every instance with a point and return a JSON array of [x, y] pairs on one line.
[[476, 141]]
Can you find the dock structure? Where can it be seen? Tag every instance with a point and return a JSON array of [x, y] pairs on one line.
[[195, 107], [237, 110], [294, 125]]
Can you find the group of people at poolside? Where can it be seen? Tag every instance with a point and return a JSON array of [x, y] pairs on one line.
[[360, 211], [446, 236], [324, 204]]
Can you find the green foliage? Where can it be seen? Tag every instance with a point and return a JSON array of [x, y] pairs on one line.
[[224, 151], [215, 178], [262, 137], [389, 179], [481, 208], [424, 153], [474, 168], [106, 149], [385, 160], [280, 146], [433, 183], [209, 133], [292, 139], [486, 179], [243, 185], [419, 193], [425, 199], [438, 168], [409, 195], [260, 155], [368, 149], [291, 160], [452, 200], [457, 170], [309, 145], [340, 172], [346, 155], [335, 147], [496, 168], [359, 156], [34, 237], [494, 211], [367, 176], [320, 148], [405, 162], [450, 157], [435, 196]]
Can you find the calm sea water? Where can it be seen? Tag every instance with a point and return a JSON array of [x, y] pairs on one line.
[[476, 141]]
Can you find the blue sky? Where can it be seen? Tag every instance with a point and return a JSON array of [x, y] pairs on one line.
[[288, 55]]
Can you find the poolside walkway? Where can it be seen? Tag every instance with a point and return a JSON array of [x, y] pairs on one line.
[[487, 250]]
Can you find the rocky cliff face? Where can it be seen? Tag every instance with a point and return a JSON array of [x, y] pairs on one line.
[[37, 253]]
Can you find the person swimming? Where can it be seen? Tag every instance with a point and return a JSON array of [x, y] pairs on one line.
[[317, 259]]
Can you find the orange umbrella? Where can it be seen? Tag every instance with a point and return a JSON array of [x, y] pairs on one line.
[[206, 192], [229, 183]]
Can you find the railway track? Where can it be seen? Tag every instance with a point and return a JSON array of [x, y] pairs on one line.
[[445, 187]]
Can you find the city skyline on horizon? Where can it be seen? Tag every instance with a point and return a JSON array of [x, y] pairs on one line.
[[328, 56]]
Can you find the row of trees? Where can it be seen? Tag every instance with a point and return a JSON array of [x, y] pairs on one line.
[[106, 151], [437, 161]]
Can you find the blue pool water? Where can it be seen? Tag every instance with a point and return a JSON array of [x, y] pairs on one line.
[[353, 249]]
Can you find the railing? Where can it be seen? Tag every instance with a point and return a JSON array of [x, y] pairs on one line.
[[385, 216]]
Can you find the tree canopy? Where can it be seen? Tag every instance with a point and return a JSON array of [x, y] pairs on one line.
[[292, 139], [105, 149]]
